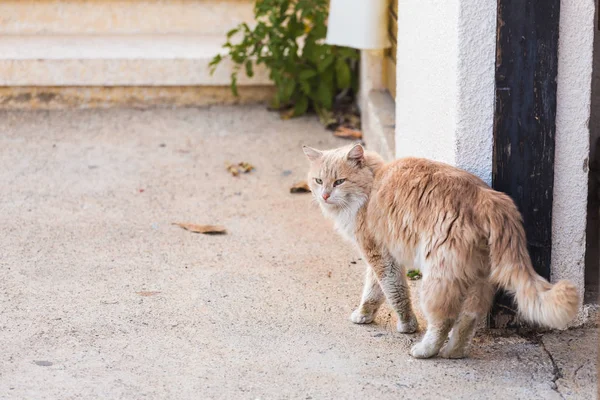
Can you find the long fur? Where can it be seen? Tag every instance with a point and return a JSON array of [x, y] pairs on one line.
[[465, 238]]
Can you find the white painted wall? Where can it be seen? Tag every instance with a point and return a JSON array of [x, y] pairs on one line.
[[445, 103], [445, 82], [575, 55]]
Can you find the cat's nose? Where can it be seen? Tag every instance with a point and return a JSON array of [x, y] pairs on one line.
[[326, 196]]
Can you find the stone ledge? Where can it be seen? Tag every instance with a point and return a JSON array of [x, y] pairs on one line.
[[116, 60], [379, 123], [57, 98], [53, 17]]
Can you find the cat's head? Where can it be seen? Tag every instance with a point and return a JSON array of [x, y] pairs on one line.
[[339, 178]]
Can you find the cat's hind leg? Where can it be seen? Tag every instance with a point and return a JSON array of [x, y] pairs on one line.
[[476, 306], [441, 302], [372, 298], [395, 286], [392, 281]]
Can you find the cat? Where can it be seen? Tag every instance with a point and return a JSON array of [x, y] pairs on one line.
[[465, 238]]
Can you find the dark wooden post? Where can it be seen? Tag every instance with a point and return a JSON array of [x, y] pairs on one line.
[[524, 124]]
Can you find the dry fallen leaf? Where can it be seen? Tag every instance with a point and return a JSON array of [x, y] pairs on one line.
[[287, 114], [300, 187], [245, 167], [353, 120], [233, 169], [236, 169], [207, 229], [147, 293], [347, 133]]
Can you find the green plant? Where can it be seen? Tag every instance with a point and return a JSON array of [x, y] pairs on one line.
[[414, 274], [288, 40]]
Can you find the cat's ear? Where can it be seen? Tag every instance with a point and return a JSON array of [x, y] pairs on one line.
[[356, 153], [312, 154]]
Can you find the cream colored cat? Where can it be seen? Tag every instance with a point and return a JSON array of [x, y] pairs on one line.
[[466, 239]]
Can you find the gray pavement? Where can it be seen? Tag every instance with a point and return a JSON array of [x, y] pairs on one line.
[[101, 297]]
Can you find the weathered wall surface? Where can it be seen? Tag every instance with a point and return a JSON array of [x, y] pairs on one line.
[[445, 82], [576, 34]]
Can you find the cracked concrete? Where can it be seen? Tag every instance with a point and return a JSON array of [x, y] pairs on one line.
[[101, 297], [574, 356]]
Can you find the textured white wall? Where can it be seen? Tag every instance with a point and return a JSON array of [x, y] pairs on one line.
[[426, 89], [476, 87], [445, 82], [574, 81], [445, 103]]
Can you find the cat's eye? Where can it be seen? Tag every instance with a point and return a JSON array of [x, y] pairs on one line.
[[319, 181], [339, 182]]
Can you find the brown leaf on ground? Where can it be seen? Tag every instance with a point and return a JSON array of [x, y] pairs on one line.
[[207, 229], [287, 114], [233, 169], [245, 167], [347, 133], [353, 120], [241, 167], [300, 187], [147, 293]]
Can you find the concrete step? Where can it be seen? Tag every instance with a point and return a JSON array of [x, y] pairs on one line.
[[115, 60], [65, 17]]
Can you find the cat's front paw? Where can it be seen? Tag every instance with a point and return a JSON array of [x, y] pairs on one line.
[[409, 326], [423, 350], [454, 353], [360, 317]]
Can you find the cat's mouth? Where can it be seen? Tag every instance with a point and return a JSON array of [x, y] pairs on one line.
[[330, 202]]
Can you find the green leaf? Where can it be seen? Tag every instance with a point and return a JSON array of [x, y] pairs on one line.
[[305, 87], [232, 32], [325, 96], [275, 103], [301, 106], [325, 63], [287, 90], [234, 84], [307, 74], [214, 62], [249, 70], [347, 52], [343, 74], [311, 51], [319, 31]]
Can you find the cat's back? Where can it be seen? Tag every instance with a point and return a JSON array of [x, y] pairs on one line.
[[419, 182], [411, 196], [412, 168]]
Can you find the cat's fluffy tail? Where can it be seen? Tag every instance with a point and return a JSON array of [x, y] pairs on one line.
[[540, 302]]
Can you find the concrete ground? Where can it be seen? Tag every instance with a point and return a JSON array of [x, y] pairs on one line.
[[101, 297]]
